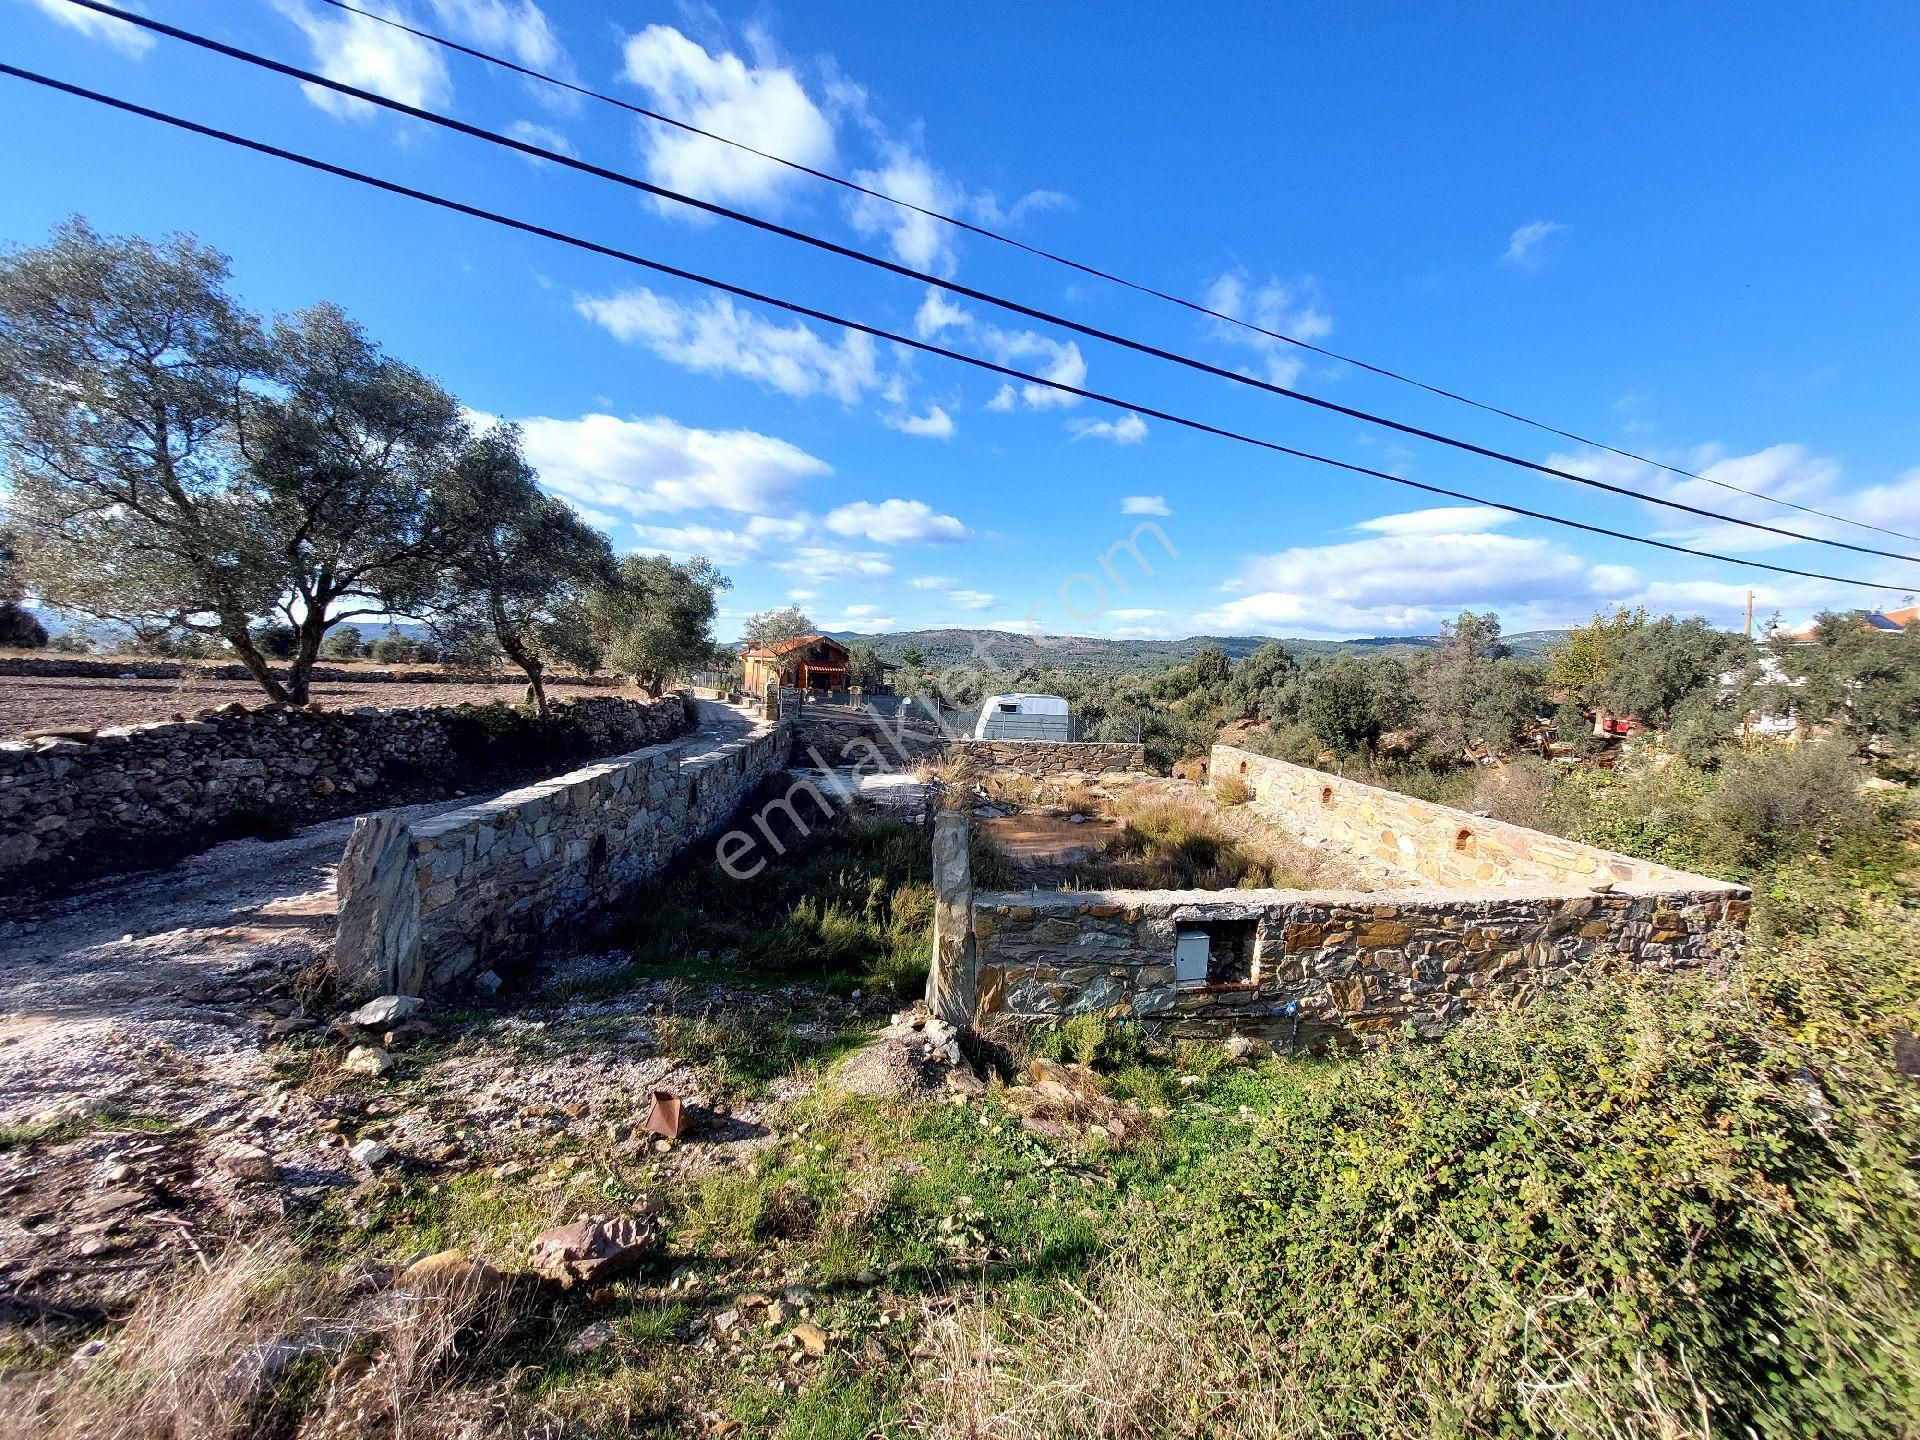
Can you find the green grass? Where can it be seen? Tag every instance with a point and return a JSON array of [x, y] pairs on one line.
[[74, 1127]]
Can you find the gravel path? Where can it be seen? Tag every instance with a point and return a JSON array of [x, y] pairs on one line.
[[190, 963]]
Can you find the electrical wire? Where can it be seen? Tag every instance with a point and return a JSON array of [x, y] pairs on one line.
[[308, 77], [1139, 287], [924, 346]]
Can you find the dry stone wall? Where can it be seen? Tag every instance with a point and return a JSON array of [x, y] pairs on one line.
[[145, 793], [1418, 842], [1328, 964], [1050, 757], [424, 905]]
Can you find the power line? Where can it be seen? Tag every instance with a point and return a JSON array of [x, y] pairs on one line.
[[632, 182], [926, 347], [1139, 287]]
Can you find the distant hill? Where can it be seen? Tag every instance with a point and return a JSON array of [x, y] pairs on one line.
[[1087, 653]]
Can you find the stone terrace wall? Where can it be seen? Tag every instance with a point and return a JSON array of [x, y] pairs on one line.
[[143, 794], [1332, 964], [423, 905], [1050, 757], [1419, 842], [82, 667]]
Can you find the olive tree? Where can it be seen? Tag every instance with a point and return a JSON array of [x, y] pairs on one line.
[[770, 627], [178, 469], [518, 562], [655, 620]]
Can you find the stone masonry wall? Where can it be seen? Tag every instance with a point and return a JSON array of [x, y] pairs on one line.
[[69, 667], [1417, 842], [423, 905], [1051, 757], [142, 794], [1332, 964]]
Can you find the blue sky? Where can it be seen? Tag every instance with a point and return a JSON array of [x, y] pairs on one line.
[[1687, 231]]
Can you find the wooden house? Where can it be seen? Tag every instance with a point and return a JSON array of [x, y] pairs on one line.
[[804, 662]]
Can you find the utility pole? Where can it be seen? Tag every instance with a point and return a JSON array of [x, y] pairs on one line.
[[1749, 614]]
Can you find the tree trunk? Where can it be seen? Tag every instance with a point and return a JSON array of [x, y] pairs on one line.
[[312, 631], [242, 642], [523, 657]]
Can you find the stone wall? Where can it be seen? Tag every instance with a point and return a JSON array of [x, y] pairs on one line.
[[1331, 964], [143, 794], [423, 905], [76, 667], [1050, 757], [1417, 842]]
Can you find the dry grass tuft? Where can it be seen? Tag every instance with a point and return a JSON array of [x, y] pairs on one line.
[[261, 1343]]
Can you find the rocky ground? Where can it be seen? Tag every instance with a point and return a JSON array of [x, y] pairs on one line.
[[31, 703]]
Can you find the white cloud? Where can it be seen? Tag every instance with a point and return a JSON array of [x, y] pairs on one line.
[[1129, 429], [1134, 614], [642, 467], [824, 562], [932, 582], [1410, 580], [803, 594], [545, 136], [1036, 354], [896, 522], [1440, 520], [1527, 247], [762, 105], [520, 29], [1144, 505], [1786, 471], [714, 337], [128, 39], [936, 424], [1286, 309], [916, 239], [973, 599], [937, 313], [359, 51]]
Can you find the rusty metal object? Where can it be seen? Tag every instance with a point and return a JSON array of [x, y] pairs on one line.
[[667, 1117]]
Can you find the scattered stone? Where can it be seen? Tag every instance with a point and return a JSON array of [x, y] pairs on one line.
[[385, 1011], [448, 1269], [594, 1337], [488, 983], [368, 1060], [371, 1153], [593, 1249], [88, 1351], [1242, 1048], [247, 1162], [811, 1338], [726, 1322], [290, 1025]]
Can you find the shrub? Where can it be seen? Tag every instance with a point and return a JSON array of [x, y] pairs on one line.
[[1520, 792], [1232, 790], [1779, 800]]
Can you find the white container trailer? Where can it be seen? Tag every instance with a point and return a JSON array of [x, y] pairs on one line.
[[1020, 716]]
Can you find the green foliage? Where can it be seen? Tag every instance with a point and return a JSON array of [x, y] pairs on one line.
[[345, 643], [1863, 681], [655, 619], [864, 668], [765, 627], [1257, 684], [1780, 800], [1092, 1040]]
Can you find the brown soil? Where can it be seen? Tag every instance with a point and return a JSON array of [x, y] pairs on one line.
[[1030, 840], [28, 704]]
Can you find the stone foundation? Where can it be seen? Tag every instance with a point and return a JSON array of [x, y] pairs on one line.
[[1050, 757], [143, 794], [423, 905], [1329, 964], [1417, 842], [1489, 913]]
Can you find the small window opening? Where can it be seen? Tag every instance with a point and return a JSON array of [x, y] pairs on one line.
[[597, 854], [1326, 794], [1463, 839], [1243, 767], [693, 793], [1216, 952], [1010, 709]]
